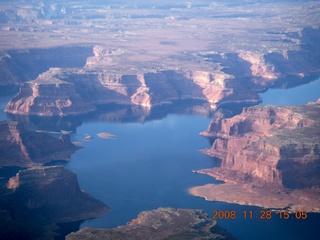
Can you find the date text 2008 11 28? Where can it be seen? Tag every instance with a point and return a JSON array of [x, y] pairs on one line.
[[262, 215]]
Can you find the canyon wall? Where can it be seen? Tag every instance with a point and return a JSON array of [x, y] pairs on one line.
[[50, 194], [234, 77], [19, 66], [20, 147], [75, 91], [37, 198], [276, 145], [270, 157]]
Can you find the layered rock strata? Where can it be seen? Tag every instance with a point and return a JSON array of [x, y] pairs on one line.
[[147, 55], [163, 223], [75, 91], [267, 153], [219, 78], [20, 147]]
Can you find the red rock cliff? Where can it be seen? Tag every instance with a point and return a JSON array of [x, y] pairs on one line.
[[20, 147], [216, 77], [49, 194], [277, 146], [76, 91]]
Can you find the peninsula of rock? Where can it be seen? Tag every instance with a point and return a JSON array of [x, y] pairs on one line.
[[42, 196], [270, 157], [160, 224], [24, 148]]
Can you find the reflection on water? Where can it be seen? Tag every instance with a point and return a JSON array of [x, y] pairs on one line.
[[147, 166], [150, 163], [117, 114]]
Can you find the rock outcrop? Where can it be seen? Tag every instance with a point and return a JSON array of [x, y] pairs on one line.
[[271, 143], [76, 91], [275, 148], [163, 223], [47, 98], [37, 198], [230, 77], [50, 194], [20, 147], [19, 66]]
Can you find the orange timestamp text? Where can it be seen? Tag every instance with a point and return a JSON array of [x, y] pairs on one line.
[[263, 214]]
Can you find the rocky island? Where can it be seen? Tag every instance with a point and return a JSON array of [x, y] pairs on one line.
[[270, 157], [162, 223]]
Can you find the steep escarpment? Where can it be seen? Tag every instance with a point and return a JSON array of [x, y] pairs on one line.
[[19, 66], [37, 198], [50, 194], [267, 142], [162, 223], [20, 147], [232, 77], [75, 91], [275, 148], [299, 63]]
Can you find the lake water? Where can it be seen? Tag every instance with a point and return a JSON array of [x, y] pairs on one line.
[[299, 95], [149, 165]]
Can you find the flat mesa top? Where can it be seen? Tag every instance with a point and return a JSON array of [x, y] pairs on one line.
[[159, 34]]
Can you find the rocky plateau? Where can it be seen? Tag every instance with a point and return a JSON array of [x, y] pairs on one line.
[[183, 56], [72, 91], [269, 155]]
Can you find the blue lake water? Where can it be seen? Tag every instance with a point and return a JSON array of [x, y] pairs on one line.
[[149, 165], [299, 95]]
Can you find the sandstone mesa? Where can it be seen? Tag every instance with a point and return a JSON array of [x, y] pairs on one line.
[[269, 157]]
